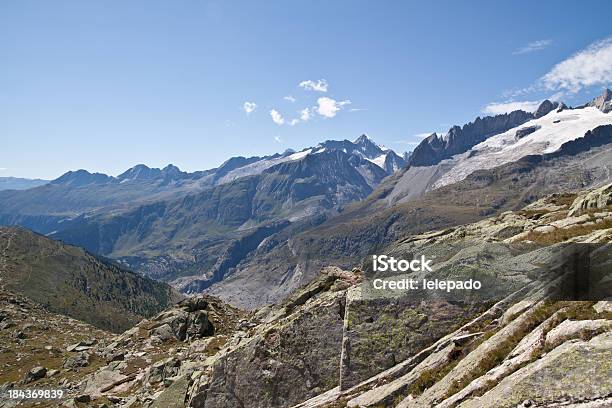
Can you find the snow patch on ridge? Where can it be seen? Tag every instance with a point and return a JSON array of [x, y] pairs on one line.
[[553, 130], [380, 160]]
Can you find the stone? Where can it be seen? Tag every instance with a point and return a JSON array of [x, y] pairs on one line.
[[118, 355], [603, 306], [571, 329], [163, 332], [598, 198], [35, 373], [52, 373], [80, 346], [544, 229], [83, 398], [570, 221], [174, 396], [79, 360]]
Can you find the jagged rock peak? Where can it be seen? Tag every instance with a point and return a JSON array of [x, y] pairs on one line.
[[171, 168], [434, 148], [545, 108], [363, 139], [81, 177], [603, 102], [139, 172]]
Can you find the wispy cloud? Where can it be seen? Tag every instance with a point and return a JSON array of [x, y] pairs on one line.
[[305, 114], [3, 169], [289, 98], [320, 85], [406, 142], [329, 107], [591, 66], [249, 107], [278, 139], [532, 47], [304, 117], [423, 135], [498, 108], [277, 117]]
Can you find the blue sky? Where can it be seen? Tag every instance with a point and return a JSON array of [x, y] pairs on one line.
[[109, 84]]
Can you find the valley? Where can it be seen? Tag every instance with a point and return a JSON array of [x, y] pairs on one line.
[[265, 294]]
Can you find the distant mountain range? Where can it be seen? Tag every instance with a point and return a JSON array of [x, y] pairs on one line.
[[171, 223], [16, 183], [254, 229], [562, 150]]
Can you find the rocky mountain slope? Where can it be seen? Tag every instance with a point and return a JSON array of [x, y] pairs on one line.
[[337, 343], [563, 150], [227, 211], [68, 280], [287, 261], [433, 149]]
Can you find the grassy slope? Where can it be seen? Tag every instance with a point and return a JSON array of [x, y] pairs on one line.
[[68, 280]]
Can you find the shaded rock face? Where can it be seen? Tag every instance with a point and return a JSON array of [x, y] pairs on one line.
[[434, 149], [292, 358], [603, 102], [191, 319], [545, 108], [380, 333], [286, 365], [522, 132]]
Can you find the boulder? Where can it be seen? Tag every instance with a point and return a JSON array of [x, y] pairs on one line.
[[81, 359], [570, 221], [598, 198], [174, 396], [35, 374], [571, 329]]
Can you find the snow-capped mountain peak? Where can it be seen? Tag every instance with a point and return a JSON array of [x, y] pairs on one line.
[[538, 136]]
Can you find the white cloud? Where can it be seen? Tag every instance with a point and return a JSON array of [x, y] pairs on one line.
[[278, 139], [304, 117], [496, 108], [310, 85], [3, 168], [277, 117], [305, 114], [289, 98], [532, 47], [591, 66], [423, 135], [329, 107], [249, 107]]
